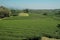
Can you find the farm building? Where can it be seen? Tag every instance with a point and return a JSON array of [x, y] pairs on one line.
[[23, 14], [4, 12]]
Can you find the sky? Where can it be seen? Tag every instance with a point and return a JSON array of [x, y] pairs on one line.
[[31, 4]]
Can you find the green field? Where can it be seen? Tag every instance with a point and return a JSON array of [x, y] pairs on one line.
[[16, 28]]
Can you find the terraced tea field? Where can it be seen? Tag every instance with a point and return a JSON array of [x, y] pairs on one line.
[[17, 28]]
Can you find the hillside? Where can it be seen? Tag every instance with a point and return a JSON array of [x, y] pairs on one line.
[[17, 28]]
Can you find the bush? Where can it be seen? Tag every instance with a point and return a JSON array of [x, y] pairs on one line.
[[33, 38], [26, 11], [58, 26], [47, 35], [45, 14]]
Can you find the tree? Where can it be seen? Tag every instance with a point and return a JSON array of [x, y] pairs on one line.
[[58, 31], [45, 14], [26, 11], [4, 12], [57, 14]]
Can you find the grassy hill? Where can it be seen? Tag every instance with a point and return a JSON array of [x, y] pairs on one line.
[[16, 28]]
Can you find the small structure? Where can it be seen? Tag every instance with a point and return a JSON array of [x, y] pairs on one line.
[[23, 14]]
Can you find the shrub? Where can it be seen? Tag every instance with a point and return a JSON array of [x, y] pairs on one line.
[[45, 14], [58, 26], [33, 38]]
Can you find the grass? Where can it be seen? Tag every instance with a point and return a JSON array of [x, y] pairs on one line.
[[16, 28]]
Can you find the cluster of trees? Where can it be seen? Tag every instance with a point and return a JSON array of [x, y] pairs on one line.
[[4, 12], [58, 26], [26, 10], [57, 14], [15, 12]]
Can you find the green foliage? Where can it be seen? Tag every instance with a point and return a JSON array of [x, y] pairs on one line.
[[58, 30], [15, 12], [4, 12], [57, 14], [45, 14], [16, 28], [26, 11]]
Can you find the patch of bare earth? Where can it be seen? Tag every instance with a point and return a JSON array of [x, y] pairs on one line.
[[46, 38]]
